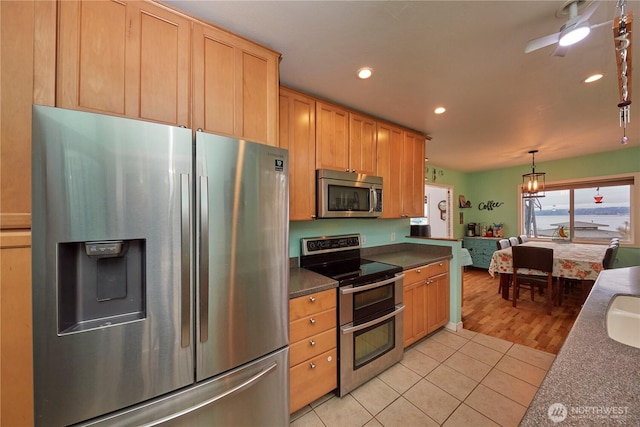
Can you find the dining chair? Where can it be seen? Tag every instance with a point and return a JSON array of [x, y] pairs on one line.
[[503, 244], [523, 238], [532, 258], [514, 241], [610, 256]]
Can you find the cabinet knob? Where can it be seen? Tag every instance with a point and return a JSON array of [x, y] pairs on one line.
[[313, 321], [353, 171], [418, 271], [312, 365], [312, 343], [312, 299], [441, 264]]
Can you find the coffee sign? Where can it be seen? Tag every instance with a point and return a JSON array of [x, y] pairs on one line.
[[489, 205]]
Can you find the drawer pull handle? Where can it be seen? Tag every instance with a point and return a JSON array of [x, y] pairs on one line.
[[312, 299], [312, 343], [418, 271], [312, 365], [313, 321]]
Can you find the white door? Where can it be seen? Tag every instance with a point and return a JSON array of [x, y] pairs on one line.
[[438, 210]]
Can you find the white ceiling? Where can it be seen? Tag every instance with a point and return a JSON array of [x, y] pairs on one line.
[[466, 55]]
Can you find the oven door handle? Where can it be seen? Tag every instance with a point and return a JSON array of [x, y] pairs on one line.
[[351, 290], [351, 329]]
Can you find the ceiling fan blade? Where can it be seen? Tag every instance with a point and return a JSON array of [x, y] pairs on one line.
[[587, 13], [541, 42], [608, 23], [560, 51]]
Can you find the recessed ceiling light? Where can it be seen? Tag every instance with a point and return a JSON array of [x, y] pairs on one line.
[[365, 72], [593, 78], [439, 110]]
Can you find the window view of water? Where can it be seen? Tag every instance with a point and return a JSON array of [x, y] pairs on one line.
[[612, 221]]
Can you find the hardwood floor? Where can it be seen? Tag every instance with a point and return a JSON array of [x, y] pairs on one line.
[[485, 311]]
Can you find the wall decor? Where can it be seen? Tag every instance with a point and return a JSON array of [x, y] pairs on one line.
[[489, 205], [463, 202]]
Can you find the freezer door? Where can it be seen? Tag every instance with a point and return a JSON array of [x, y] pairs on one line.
[[256, 394], [112, 288], [242, 251]]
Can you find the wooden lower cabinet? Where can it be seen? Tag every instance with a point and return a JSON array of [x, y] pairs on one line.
[[426, 300], [312, 350], [16, 360]]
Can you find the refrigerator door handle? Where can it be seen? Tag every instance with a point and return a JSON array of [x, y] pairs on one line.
[[240, 387], [185, 262], [203, 261]]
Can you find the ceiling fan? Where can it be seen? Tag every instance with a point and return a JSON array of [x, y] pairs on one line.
[[575, 29]]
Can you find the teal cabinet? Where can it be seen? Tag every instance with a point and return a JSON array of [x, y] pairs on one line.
[[481, 250]]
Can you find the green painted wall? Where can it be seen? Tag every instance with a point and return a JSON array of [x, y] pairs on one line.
[[496, 185]]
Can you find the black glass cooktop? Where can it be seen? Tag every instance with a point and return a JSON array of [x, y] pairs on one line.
[[356, 272]]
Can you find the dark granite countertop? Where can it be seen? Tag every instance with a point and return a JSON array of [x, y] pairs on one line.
[[305, 282], [407, 255], [596, 378]]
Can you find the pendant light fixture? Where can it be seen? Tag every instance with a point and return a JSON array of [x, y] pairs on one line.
[[533, 183]]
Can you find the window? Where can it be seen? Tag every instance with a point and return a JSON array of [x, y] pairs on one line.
[[590, 210]]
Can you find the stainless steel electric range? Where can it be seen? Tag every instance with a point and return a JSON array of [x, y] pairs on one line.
[[370, 308]]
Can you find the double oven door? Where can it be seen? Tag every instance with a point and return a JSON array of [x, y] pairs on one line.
[[371, 329]]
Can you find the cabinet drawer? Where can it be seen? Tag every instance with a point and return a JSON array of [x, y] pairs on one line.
[[312, 325], [423, 272], [309, 304], [307, 348], [312, 379]]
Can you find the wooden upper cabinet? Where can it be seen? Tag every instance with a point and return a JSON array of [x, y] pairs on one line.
[[389, 165], [235, 86], [297, 134], [130, 59], [362, 144], [332, 137], [412, 174]]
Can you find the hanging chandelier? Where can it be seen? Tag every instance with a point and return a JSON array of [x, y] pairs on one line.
[[533, 183]]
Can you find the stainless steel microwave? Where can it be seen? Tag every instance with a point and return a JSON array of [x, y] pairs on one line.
[[348, 195]]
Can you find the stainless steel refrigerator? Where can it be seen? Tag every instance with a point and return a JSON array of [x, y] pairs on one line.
[[160, 275]]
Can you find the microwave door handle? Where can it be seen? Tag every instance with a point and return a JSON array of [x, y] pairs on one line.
[[374, 197]]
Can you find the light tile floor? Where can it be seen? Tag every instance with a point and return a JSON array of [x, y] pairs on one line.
[[448, 379]]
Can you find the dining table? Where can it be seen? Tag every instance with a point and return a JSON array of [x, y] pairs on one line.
[[579, 261]]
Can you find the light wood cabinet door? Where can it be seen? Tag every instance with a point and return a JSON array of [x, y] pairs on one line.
[[415, 318], [389, 161], [235, 86], [412, 174], [16, 361], [362, 144], [124, 58], [298, 135], [332, 137], [312, 379], [27, 46], [438, 302]]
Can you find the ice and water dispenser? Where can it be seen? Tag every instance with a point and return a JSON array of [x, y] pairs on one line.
[[100, 283]]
